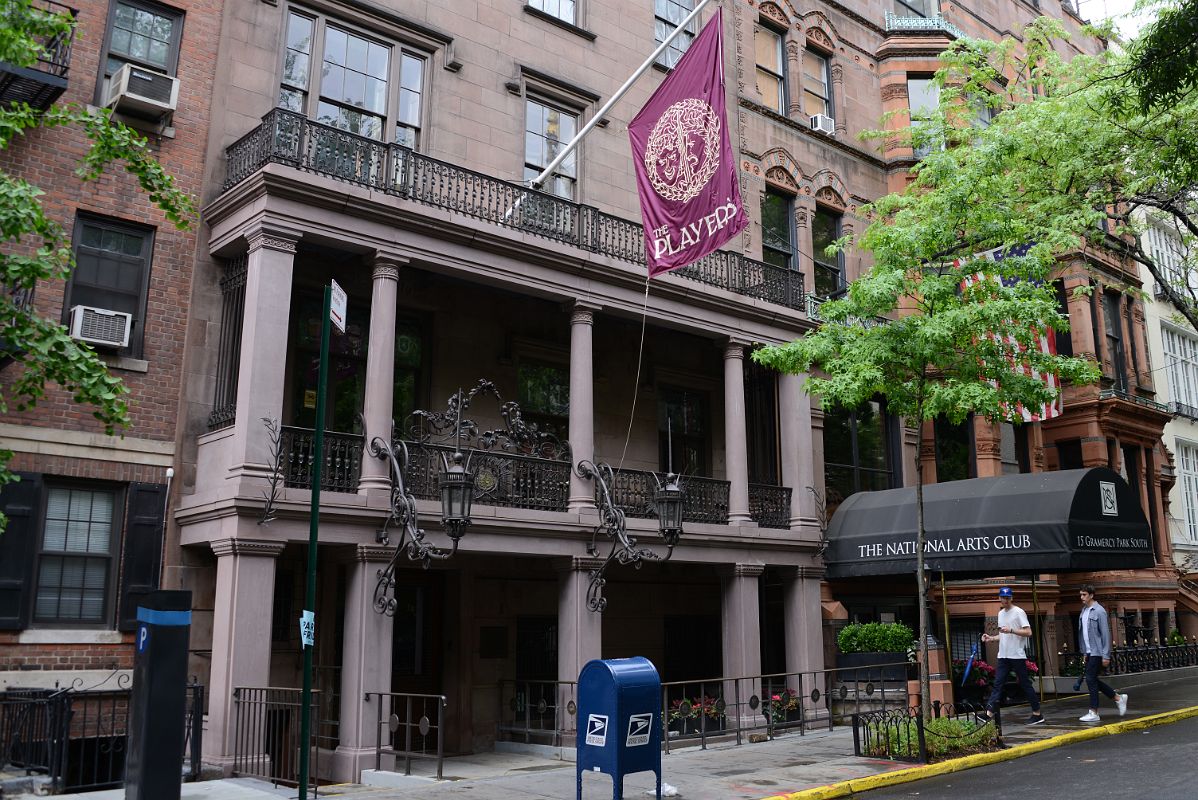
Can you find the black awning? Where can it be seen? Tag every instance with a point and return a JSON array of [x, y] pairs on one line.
[[1073, 520]]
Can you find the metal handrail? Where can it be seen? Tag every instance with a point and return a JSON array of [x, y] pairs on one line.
[[422, 726]]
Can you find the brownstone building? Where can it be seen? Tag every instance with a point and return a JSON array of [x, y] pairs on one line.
[[86, 520]]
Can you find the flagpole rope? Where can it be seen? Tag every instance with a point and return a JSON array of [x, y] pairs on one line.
[[636, 386]]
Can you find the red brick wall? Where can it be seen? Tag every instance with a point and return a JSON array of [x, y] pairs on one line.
[[15, 656], [48, 159]]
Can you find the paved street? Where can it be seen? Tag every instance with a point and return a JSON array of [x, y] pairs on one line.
[[1155, 763]]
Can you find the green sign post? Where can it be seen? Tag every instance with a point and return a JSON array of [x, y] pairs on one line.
[[308, 617]]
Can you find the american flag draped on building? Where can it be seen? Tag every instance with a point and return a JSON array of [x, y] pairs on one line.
[[1045, 341]]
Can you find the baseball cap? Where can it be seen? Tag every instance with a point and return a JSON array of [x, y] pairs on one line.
[[1005, 592]]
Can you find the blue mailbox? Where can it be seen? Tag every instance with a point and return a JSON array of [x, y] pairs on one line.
[[619, 720]]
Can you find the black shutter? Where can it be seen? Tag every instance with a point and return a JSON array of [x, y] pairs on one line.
[[18, 543], [142, 549]]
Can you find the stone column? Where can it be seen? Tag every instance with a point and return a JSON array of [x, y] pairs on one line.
[[794, 77], [838, 101], [241, 636], [261, 374], [805, 261], [380, 370], [794, 428], [736, 448], [803, 614], [582, 404], [365, 665], [741, 628], [579, 630]]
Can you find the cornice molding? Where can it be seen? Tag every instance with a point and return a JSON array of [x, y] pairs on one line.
[[246, 547]]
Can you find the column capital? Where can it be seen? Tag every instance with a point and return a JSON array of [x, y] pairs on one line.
[[246, 547], [371, 553], [583, 313], [735, 349], [387, 265], [273, 237], [580, 564], [746, 570]]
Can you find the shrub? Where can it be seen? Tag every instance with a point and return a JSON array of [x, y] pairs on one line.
[[942, 737], [1175, 638], [875, 637]]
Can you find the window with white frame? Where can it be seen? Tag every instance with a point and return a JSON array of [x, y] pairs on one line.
[[1181, 364], [547, 129], [1165, 248], [75, 562], [668, 15], [1187, 475], [916, 8], [923, 98], [349, 80], [817, 93], [562, 9], [771, 79], [145, 34]]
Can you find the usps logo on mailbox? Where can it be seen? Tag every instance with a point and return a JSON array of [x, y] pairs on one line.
[[597, 730], [639, 726]]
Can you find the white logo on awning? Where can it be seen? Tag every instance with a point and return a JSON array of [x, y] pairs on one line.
[[1110, 507]]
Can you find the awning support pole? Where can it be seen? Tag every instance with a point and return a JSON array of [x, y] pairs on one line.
[[1039, 640], [948, 636]]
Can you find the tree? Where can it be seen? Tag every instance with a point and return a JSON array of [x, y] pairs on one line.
[[34, 247], [1164, 65], [937, 327]]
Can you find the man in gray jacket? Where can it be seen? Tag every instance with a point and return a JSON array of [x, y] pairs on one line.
[[1094, 639]]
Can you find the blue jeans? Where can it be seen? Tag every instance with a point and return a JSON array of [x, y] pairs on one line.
[[1093, 667], [1001, 671]]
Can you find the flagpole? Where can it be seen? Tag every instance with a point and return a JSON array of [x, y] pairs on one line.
[[572, 145]]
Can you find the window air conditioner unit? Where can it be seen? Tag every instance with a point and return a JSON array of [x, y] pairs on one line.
[[142, 92], [1160, 293], [100, 326], [823, 124]]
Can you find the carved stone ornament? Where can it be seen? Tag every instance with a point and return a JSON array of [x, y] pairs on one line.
[[828, 196], [774, 14], [259, 239], [781, 178], [894, 91], [820, 39]]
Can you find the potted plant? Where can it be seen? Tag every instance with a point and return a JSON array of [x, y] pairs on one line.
[[977, 687], [871, 644], [689, 717], [783, 706]]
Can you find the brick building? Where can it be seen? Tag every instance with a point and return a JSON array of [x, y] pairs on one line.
[[87, 517]]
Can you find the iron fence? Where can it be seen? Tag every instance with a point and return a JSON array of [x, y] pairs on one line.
[[769, 506], [902, 734], [285, 137], [538, 712], [706, 499], [266, 741], [79, 739], [1136, 658], [506, 480], [404, 735], [342, 459]]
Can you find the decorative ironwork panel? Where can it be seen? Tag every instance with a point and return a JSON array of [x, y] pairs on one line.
[[232, 290], [342, 459], [501, 479], [285, 137], [706, 499], [934, 23], [769, 506]]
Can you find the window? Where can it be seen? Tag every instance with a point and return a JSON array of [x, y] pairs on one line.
[[545, 395], [771, 80], [1187, 473], [1014, 450], [923, 98], [683, 431], [364, 86], [916, 8], [1113, 323], [144, 34], [1165, 248], [112, 270], [547, 129], [1064, 339], [777, 229], [1181, 363], [954, 450], [857, 451], [75, 560], [562, 9], [668, 15], [817, 96], [825, 229]]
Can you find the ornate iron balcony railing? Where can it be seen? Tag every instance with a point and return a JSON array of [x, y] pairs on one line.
[[285, 137], [1123, 394], [342, 459], [43, 82], [769, 506], [934, 23], [706, 499], [502, 479]]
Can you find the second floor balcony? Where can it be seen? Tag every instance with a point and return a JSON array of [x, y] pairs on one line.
[[41, 83]]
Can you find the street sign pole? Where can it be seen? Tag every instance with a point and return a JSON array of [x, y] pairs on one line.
[[307, 621]]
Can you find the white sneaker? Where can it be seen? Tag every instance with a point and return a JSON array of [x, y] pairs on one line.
[[1090, 716], [1121, 702]]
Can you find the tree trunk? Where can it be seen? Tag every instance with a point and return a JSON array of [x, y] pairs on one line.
[[925, 700]]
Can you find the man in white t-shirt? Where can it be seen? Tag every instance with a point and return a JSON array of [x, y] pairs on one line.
[[1013, 633]]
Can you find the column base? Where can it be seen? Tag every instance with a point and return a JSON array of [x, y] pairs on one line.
[[350, 762]]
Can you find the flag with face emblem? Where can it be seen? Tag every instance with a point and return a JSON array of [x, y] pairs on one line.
[[685, 172]]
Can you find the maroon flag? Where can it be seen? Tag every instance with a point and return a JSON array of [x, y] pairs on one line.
[[685, 173]]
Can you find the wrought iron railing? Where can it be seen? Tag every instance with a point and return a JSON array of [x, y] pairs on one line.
[[266, 741], [538, 712], [902, 734], [706, 499], [1179, 409], [507, 480], [342, 459], [933, 23], [44, 80], [1123, 394], [409, 727], [769, 506], [285, 137], [232, 290]]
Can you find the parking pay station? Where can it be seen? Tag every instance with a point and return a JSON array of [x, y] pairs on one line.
[[154, 765], [619, 720]]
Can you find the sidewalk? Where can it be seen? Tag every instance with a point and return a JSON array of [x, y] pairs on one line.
[[774, 769]]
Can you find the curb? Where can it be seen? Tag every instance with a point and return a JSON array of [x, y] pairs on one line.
[[854, 785]]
